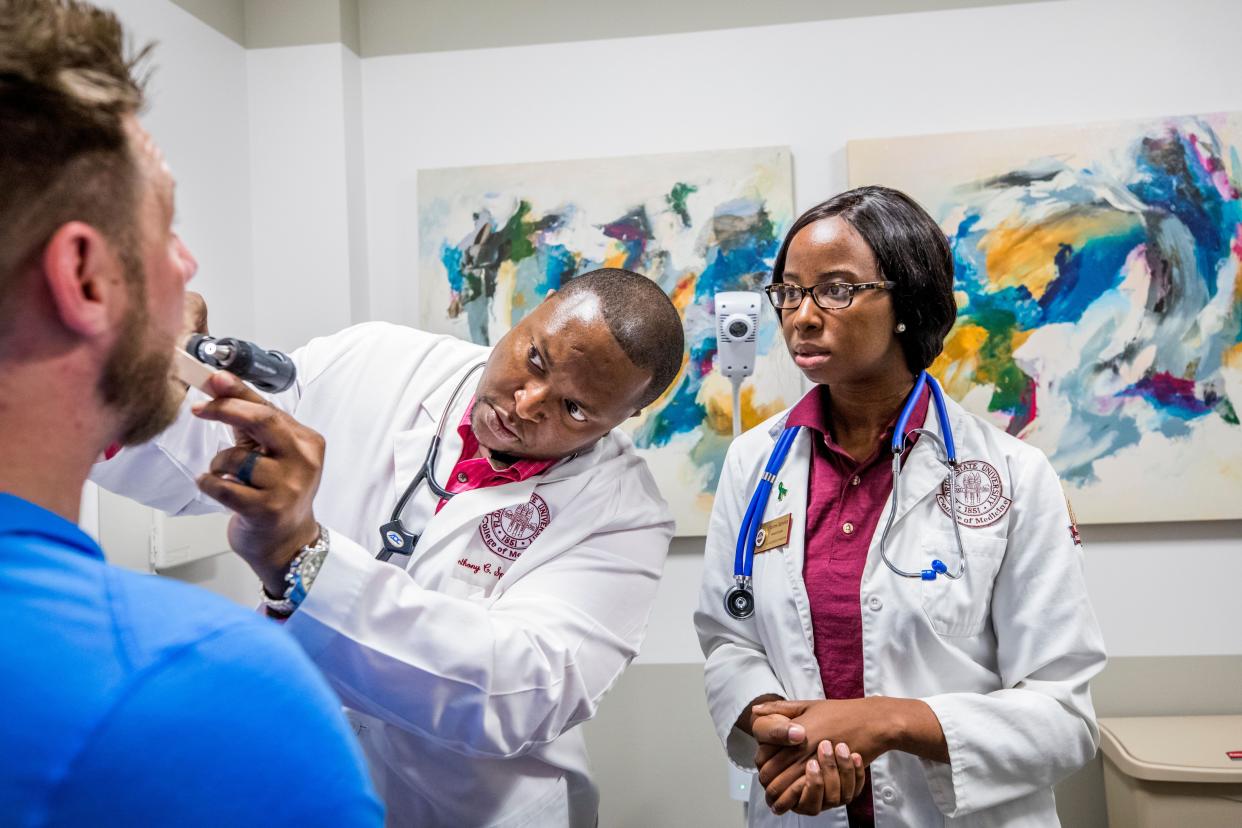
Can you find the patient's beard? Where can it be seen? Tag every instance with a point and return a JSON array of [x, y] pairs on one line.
[[135, 381]]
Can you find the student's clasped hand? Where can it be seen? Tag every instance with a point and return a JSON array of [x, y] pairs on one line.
[[813, 754]]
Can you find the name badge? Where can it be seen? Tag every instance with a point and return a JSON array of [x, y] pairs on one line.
[[773, 534]]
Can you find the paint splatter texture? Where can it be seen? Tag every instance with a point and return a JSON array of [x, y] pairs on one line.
[[1100, 303]]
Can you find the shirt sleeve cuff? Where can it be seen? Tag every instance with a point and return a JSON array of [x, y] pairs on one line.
[[741, 746], [334, 595], [946, 780]]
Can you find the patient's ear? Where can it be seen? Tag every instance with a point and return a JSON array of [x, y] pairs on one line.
[[85, 279]]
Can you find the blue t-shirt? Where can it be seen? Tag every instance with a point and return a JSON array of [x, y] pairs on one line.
[[132, 700]]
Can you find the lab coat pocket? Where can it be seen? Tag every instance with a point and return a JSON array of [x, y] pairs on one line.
[[961, 607]]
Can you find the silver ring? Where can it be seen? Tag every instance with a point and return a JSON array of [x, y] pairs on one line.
[[247, 468]]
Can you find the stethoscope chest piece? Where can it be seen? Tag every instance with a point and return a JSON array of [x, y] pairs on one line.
[[740, 603], [397, 540]]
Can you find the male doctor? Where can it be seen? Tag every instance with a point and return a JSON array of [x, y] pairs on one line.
[[465, 665]]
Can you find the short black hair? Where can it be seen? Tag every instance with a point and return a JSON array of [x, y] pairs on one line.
[[641, 318], [911, 250]]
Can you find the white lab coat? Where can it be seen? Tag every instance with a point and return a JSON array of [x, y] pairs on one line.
[[464, 687], [1003, 656]]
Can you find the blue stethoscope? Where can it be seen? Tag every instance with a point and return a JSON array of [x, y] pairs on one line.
[[740, 601]]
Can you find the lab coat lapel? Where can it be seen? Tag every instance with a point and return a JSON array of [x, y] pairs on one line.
[[792, 478], [795, 477], [923, 472], [409, 450], [410, 447], [470, 506]]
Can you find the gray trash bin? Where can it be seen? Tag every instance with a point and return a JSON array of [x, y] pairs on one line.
[[1172, 771]]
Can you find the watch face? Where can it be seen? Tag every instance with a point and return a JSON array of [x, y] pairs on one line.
[[309, 568]]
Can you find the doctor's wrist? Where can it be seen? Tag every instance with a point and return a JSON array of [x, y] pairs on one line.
[[272, 565], [298, 578], [910, 726]]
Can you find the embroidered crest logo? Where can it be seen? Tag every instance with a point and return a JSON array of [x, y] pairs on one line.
[[509, 532], [981, 497]]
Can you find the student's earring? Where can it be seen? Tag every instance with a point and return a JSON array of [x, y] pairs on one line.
[[901, 327]]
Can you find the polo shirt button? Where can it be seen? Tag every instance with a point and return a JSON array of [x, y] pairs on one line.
[[875, 603], [462, 477], [888, 794], [856, 480], [848, 528]]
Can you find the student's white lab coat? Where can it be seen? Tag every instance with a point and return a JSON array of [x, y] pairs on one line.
[[1003, 656], [464, 687]]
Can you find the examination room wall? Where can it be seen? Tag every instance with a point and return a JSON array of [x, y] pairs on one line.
[[296, 169], [196, 111], [1169, 620]]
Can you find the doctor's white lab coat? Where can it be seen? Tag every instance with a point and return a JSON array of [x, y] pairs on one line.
[[1003, 656], [465, 671]]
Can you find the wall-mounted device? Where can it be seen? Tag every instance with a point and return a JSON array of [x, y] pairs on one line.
[[737, 328]]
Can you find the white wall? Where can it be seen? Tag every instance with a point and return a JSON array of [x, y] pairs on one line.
[[814, 86], [301, 162], [197, 113]]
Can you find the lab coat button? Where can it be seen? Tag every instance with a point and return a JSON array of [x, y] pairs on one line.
[[875, 603], [888, 794], [848, 528]]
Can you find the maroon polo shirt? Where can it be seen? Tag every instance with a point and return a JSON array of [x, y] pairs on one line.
[[845, 503], [474, 471]]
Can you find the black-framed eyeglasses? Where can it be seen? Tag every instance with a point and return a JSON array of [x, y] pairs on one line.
[[827, 295]]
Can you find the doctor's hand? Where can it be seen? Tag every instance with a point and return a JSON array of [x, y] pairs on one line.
[[273, 516]]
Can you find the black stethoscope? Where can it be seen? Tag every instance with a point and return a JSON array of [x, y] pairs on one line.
[[396, 538]]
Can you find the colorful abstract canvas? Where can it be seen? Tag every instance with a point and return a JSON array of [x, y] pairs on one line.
[[1100, 301], [494, 240]]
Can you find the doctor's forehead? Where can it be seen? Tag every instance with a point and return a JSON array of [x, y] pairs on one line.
[[579, 343]]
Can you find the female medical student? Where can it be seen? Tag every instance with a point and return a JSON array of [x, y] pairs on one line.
[[847, 622]]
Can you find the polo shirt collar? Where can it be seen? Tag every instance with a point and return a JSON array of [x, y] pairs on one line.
[[19, 516], [522, 469], [814, 411]]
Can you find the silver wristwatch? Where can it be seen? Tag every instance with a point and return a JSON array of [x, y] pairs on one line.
[[302, 571]]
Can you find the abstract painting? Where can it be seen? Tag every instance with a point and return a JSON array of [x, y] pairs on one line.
[[494, 240], [1099, 297]]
